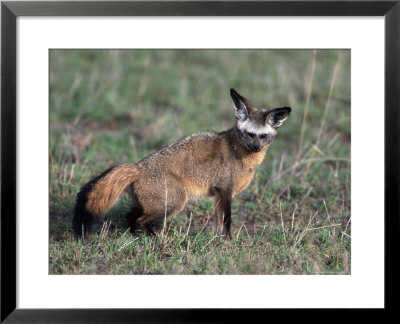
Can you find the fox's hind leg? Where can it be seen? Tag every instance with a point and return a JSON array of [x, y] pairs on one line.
[[136, 211], [149, 224], [132, 216], [158, 209]]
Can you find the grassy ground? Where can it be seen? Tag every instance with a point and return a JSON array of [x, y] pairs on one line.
[[111, 107]]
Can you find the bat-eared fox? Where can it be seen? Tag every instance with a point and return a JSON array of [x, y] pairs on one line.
[[206, 164]]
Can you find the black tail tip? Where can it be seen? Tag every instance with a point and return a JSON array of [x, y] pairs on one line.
[[81, 223], [82, 220], [78, 228]]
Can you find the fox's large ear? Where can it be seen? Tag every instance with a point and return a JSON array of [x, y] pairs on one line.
[[240, 105], [277, 116]]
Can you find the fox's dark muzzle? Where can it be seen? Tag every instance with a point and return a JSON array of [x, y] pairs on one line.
[[256, 145]]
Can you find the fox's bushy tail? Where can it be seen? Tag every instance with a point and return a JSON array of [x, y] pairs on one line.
[[97, 196]]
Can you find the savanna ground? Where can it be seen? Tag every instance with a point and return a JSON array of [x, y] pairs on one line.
[[109, 107]]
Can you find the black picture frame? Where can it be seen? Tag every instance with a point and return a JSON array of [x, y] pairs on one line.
[[11, 10]]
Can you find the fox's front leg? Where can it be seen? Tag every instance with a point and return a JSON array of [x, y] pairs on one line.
[[223, 200]]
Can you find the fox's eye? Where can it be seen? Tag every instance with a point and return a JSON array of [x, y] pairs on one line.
[[263, 136], [251, 134]]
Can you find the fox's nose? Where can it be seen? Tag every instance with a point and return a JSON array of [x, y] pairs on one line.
[[256, 144]]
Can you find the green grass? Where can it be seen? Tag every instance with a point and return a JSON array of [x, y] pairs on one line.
[[110, 107]]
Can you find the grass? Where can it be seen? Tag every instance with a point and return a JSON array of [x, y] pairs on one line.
[[109, 107]]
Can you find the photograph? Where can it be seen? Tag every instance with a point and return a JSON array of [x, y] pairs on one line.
[[199, 161]]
